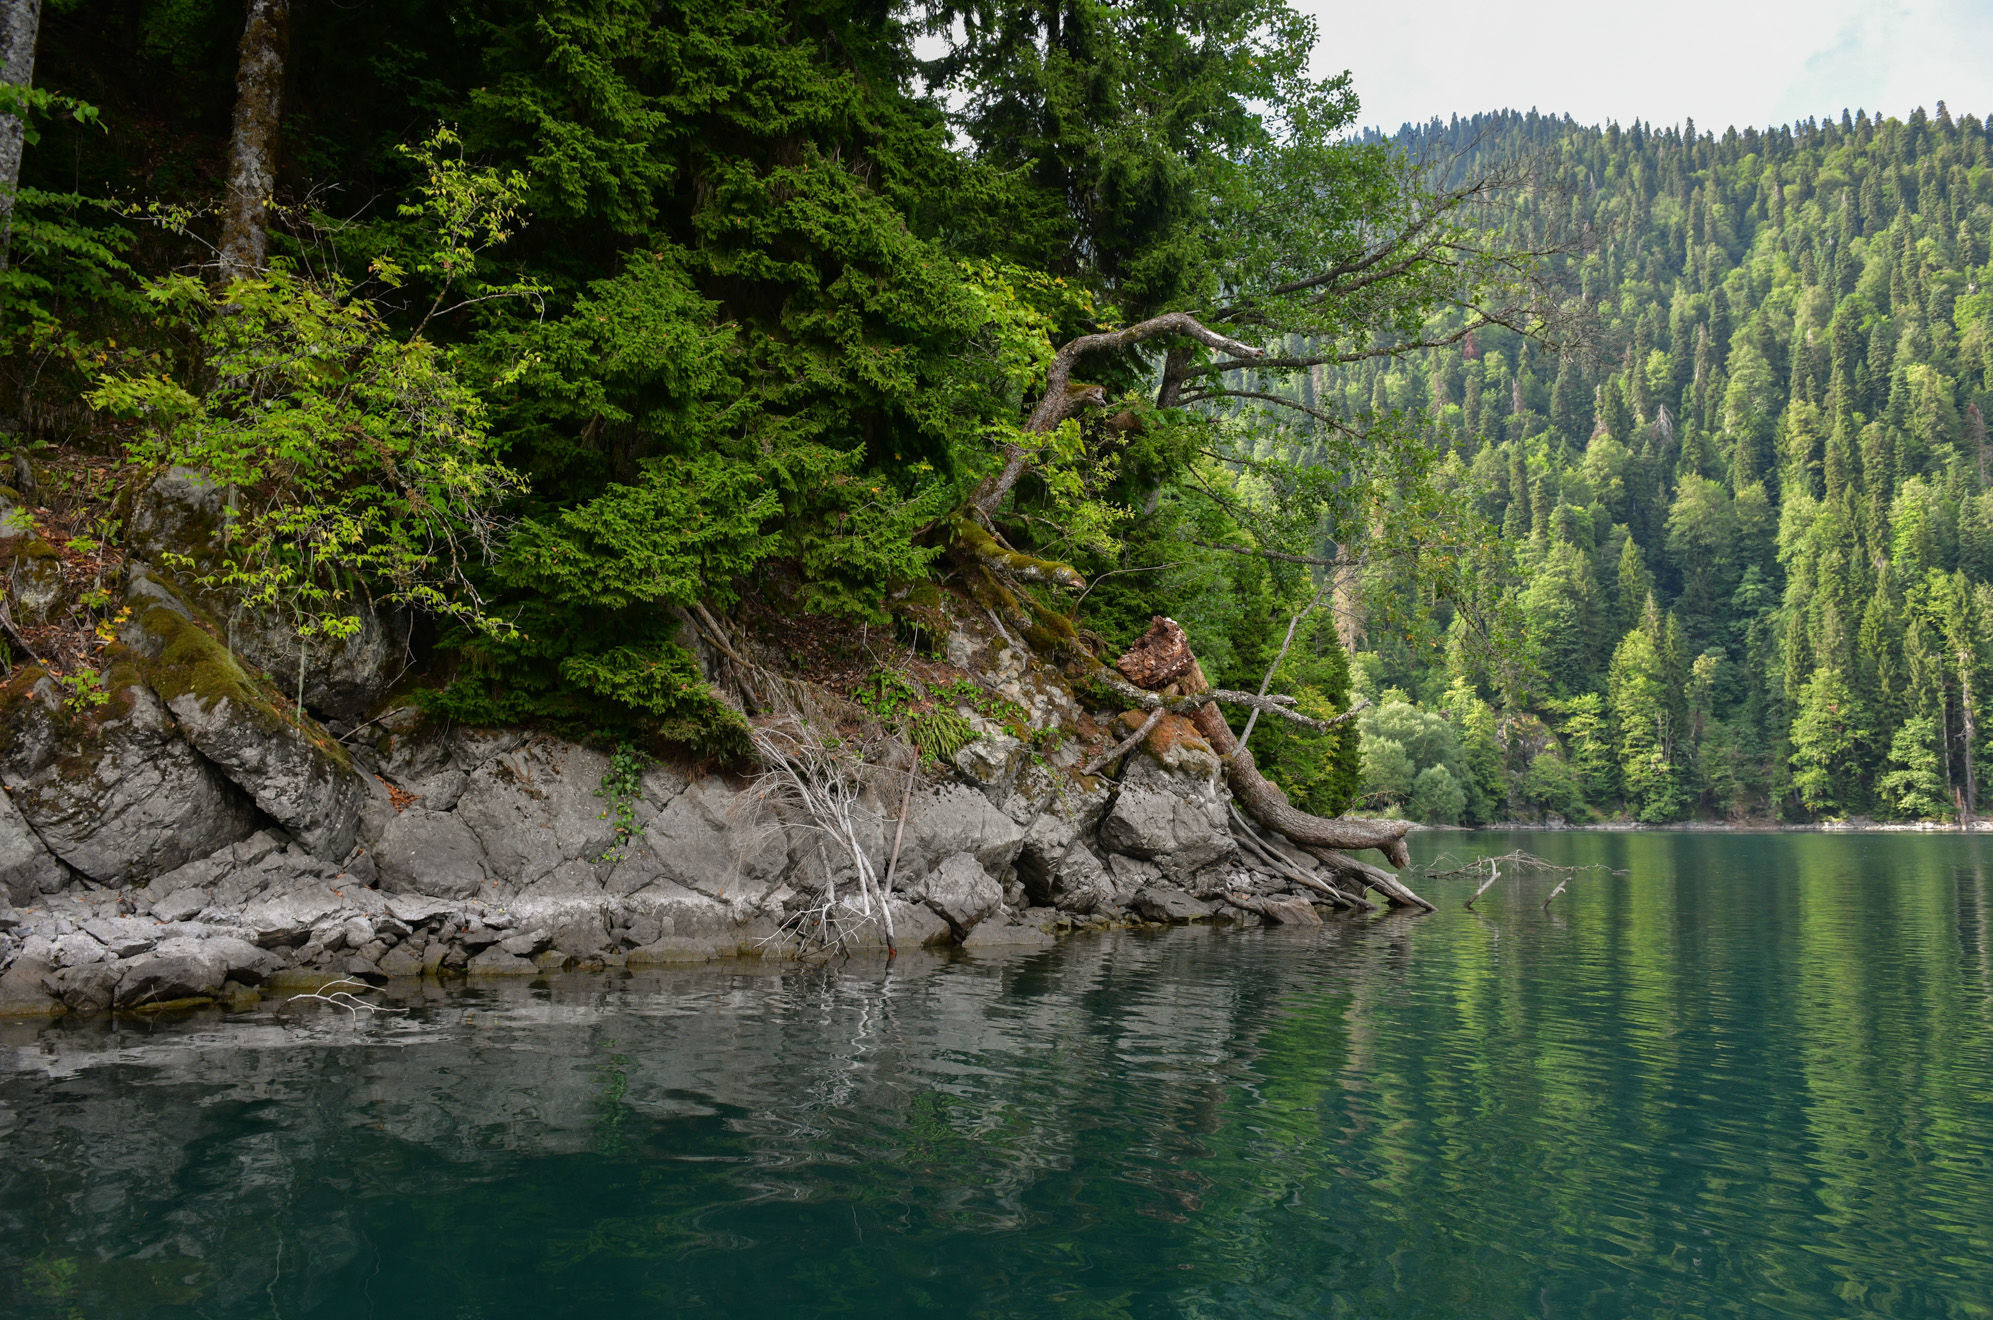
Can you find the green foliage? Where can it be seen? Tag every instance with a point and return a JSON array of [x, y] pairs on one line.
[[1828, 731], [1320, 773], [1914, 784], [83, 689], [1551, 784], [1402, 745], [1780, 440], [1437, 798], [622, 784], [925, 719], [364, 460]]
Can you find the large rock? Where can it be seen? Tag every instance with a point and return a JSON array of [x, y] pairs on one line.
[[536, 808], [114, 791], [958, 819], [1175, 821], [22, 992], [961, 893], [180, 514], [716, 842], [35, 589], [344, 677], [286, 914], [992, 763], [1058, 870], [426, 852], [296, 772], [27, 868], [188, 968], [1170, 905]]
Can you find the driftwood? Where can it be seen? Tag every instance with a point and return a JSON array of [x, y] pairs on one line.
[[1162, 661], [1489, 869]]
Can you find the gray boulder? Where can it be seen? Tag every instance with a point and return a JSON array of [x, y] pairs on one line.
[[424, 852], [961, 892], [22, 991], [35, 589], [180, 513], [1289, 912], [992, 763], [344, 677], [1177, 822], [957, 819], [708, 840], [85, 987], [27, 868], [185, 967], [287, 913], [495, 961], [535, 808], [296, 772], [123, 937], [1007, 935], [1171, 905], [1058, 870], [115, 791]]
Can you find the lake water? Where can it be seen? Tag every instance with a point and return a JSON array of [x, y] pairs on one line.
[[1751, 1077]]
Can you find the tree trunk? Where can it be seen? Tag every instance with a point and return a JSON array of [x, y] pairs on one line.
[[1163, 658], [252, 148], [20, 21], [1965, 735]]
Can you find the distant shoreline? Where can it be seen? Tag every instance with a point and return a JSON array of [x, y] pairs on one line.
[[1981, 826]]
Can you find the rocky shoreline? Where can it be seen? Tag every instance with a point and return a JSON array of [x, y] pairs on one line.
[[483, 853], [211, 823]]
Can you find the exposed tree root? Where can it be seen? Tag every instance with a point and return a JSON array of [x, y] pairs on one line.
[[1265, 856], [1162, 660]]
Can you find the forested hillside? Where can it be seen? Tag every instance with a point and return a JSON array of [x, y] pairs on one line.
[[1745, 499], [551, 346]]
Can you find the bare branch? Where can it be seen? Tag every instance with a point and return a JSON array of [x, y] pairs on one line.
[[1127, 744], [1059, 399]]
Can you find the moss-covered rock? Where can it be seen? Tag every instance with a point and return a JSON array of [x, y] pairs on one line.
[[33, 576], [179, 527], [296, 772], [113, 791]]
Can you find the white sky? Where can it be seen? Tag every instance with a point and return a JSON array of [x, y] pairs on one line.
[[1721, 62]]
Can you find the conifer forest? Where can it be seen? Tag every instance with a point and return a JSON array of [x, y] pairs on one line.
[[1594, 472]]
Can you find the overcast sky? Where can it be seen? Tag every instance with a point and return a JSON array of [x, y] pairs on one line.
[[1722, 62]]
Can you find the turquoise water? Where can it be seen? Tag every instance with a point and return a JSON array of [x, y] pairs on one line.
[[1752, 1077]]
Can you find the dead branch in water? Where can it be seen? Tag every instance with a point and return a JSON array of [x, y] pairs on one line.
[[1489, 870]]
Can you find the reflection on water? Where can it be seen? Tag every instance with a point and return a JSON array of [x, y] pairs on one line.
[[1752, 1077]]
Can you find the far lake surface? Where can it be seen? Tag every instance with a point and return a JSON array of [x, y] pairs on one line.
[[1751, 1077]]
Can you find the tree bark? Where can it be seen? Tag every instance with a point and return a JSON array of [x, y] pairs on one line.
[[20, 22], [252, 147], [1162, 658]]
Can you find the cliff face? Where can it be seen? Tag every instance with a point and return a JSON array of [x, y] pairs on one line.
[[187, 832]]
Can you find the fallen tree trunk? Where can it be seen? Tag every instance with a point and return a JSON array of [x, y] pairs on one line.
[[1162, 659]]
